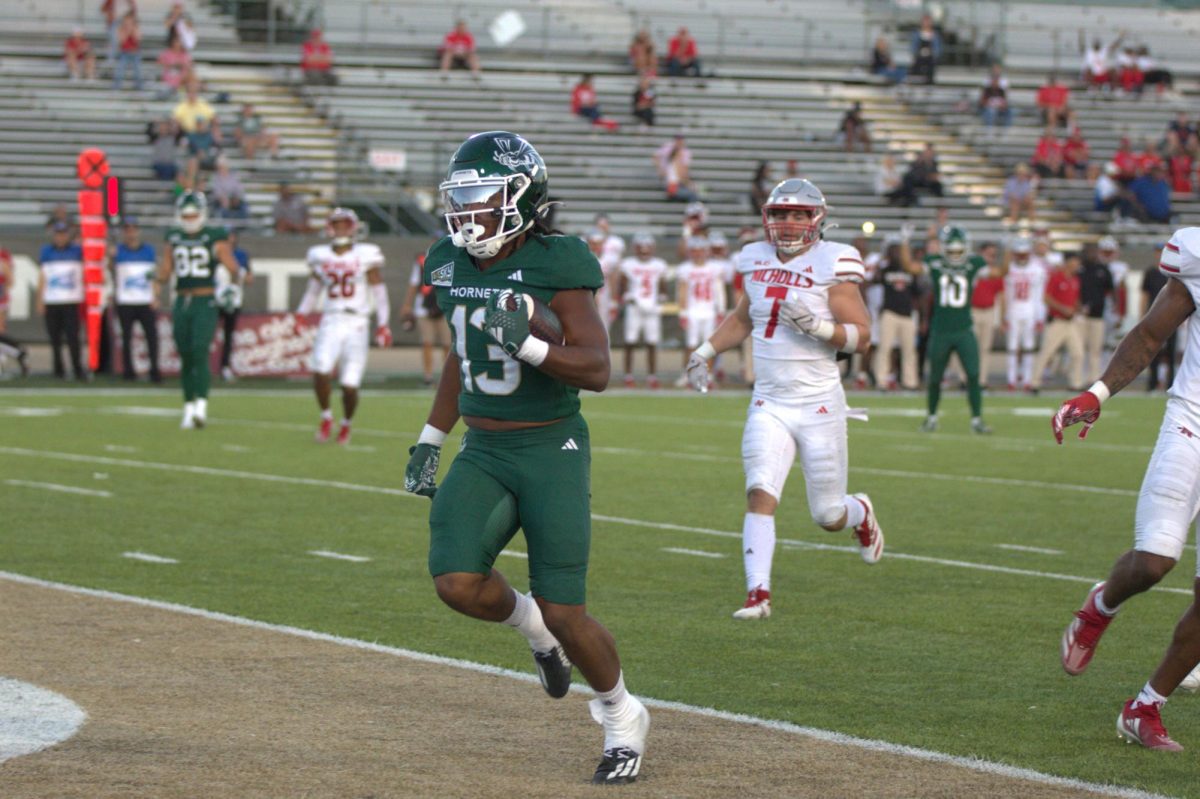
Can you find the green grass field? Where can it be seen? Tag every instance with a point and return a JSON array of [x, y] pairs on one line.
[[950, 643]]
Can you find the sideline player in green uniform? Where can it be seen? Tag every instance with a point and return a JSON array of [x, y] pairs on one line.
[[952, 273], [525, 459], [194, 253]]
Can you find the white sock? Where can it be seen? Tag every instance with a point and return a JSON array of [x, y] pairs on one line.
[[189, 409], [758, 549], [1012, 368], [1149, 696], [527, 618], [856, 512], [1105, 610], [202, 407], [327, 415], [345, 423], [1027, 367], [617, 711]]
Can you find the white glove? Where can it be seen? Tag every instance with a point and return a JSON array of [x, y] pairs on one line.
[[906, 230], [697, 372], [800, 318]]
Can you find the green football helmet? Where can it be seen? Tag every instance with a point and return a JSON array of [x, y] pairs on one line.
[[955, 243], [495, 178], [191, 211]]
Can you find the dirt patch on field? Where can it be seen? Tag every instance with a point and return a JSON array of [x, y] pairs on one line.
[[183, 707]]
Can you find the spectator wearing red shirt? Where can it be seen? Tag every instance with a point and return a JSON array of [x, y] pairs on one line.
[[682, 55], [983, 311], [1054, 99], [129, 51], [77, 52], [458, 49], [1148, 158], [1125, 160], [643, 55], [1048, 155], [585, 104], [1129, 76], [316, 60], [1076, 155], [1179, 165], [1063, 301]]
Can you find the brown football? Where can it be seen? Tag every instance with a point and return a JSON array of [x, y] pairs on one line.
[[543, 322]]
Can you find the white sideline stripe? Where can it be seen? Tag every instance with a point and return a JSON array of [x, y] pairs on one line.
[[973, 764], [397, 492], [700, 553], [147, 557], [324, 553], [512, 553], [1023, 548], [87, 492]]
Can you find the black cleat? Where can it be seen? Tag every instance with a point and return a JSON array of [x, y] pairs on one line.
[[619, 767], [554, 670]]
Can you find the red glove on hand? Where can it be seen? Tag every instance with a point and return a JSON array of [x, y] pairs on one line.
[[1084, 408], [383, 336]]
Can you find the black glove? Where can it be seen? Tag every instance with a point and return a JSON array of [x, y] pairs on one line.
[[421, 473]]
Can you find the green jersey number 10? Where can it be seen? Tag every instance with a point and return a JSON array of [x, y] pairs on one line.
[[952, 291]]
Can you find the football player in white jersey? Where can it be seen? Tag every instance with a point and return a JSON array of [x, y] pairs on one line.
[[700, 291], [610, 264], [344, 271], [1024, 311], [1168, 501], [641, 284], [1108, 252], [802, 306]]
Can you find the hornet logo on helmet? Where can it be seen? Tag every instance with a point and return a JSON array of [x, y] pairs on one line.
[[514, 154]]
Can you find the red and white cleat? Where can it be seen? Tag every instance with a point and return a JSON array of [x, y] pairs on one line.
[[758, 605], [1083, 633], [324, 431], [869, 533], [344, 434], [652, 382], [1142, 724], [629, 381]]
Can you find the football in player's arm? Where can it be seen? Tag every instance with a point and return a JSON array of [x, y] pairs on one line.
[[1168, 499]]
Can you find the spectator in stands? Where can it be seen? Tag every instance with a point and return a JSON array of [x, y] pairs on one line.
[[129, 51], [792, 170], [1149, 196], [112, 21], [1181, 163], [1182, 127], [760, 186], [922, 174], [179, 28], [682, 55], [290, 213], [882, 62], [1048, 155], [176, 65], [458, 49], [1127, 74], [643, 55], [993, 100], [60, 214], [926, 50], [164, 138], [853, 129], [78, 55], [585, 104], [250, 133], [673, 161], [1148, 158], [316, 60], [1107, 193], [191, 109], [1126, 160], [887, 176], [1020, 195], [1153, 75], [1054, 101], [229, 196], [1076, 155], [203, 146], [644, 99], [1096, 72]]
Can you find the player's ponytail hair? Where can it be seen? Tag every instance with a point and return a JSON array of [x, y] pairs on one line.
[[542, 227]]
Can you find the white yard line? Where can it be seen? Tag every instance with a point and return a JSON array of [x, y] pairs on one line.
[[87, 492], [146, 557], [324, 553], [119, 448], [700, 553], [1023, 548], [971, 763]]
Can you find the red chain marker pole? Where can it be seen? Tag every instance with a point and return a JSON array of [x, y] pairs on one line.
[[92, 168]]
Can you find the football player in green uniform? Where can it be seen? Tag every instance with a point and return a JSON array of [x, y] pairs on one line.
[[952, 273], [194, 253], [525, 458]]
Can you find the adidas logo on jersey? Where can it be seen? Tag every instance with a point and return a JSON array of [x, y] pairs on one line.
[[808, 270], [570, 444], [822, 409], [516, 277]]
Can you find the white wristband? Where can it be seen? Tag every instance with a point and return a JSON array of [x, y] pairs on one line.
[[824, 330], [533, 350], [431, 435], [1101, 391], [851, 344], [707, 351]]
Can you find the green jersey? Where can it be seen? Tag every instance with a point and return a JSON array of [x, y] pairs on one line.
[[953, 285], [193, 256], [493, 384]]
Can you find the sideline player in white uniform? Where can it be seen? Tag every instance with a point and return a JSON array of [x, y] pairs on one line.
[[700, 291], [1168, 501], [1024, 312], [342, 271], [610, 264], [802, 306], [641, 282]]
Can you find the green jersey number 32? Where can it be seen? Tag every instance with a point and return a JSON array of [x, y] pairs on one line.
[[952, 290], [482, 382], [191, 261]]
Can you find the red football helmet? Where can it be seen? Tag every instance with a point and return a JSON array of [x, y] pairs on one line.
[[792, 236]]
